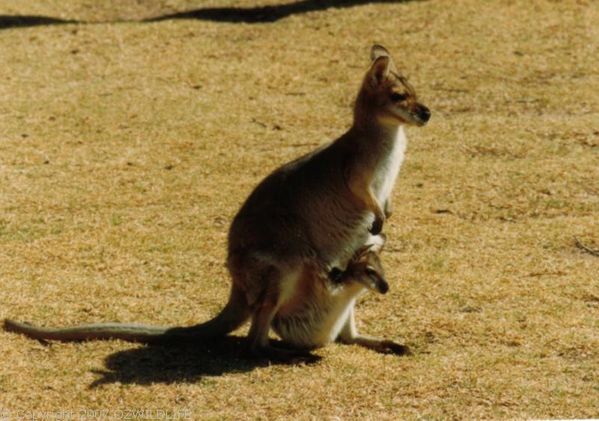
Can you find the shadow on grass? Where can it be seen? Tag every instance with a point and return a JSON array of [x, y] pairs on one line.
[[24, 21], [265, 14], [261, 14], [187, 363]]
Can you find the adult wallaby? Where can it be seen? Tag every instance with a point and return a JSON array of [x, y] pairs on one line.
[[309, 216]]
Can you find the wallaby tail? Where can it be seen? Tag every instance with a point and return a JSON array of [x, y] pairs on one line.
[[235, 313], [89, 332]]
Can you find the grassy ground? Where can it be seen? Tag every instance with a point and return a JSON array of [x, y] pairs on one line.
[[127, 147]]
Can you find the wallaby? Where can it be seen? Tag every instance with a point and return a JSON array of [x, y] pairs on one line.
[[314, 318], [310, 216]]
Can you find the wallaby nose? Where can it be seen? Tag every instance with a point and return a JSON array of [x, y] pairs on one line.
[[424, 113], [382, 286]]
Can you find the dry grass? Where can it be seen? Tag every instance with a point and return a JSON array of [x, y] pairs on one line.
[[126, 148]]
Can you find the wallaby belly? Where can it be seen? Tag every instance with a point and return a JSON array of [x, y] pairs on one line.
[[318, 318]]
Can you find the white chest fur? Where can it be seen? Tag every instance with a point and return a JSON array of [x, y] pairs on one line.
[[388, 169]]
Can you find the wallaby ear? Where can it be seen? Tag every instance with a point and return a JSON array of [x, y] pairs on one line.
[[379, 71], [375, 244], [378, 51], [361, 253]]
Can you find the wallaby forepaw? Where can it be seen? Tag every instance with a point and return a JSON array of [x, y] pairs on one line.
[[388, 209]]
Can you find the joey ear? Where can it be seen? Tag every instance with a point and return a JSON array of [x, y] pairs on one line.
[[362, 252], [379, 71], [375, 244]]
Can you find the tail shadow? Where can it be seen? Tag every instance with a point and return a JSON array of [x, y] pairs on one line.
[[187, 363], [260, 14], [24, 21]]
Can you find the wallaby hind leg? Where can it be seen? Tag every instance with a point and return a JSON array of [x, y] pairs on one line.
[[258, 336], [277, 287], [349, 335]]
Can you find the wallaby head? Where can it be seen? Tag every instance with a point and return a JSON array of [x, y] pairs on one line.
[[366, 268], [386, 97]]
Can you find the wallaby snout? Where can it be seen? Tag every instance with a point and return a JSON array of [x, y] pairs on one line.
[[423, 114], [376, 281]]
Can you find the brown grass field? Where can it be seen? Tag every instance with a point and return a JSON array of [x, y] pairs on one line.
[[127, 145]]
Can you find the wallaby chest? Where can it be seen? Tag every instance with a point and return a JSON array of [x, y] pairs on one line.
[[387, 168]]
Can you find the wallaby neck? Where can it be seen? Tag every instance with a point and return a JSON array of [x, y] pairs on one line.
[[379, 137]]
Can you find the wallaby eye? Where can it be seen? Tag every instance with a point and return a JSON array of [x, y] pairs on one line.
[[370, 271], [397, 97]]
